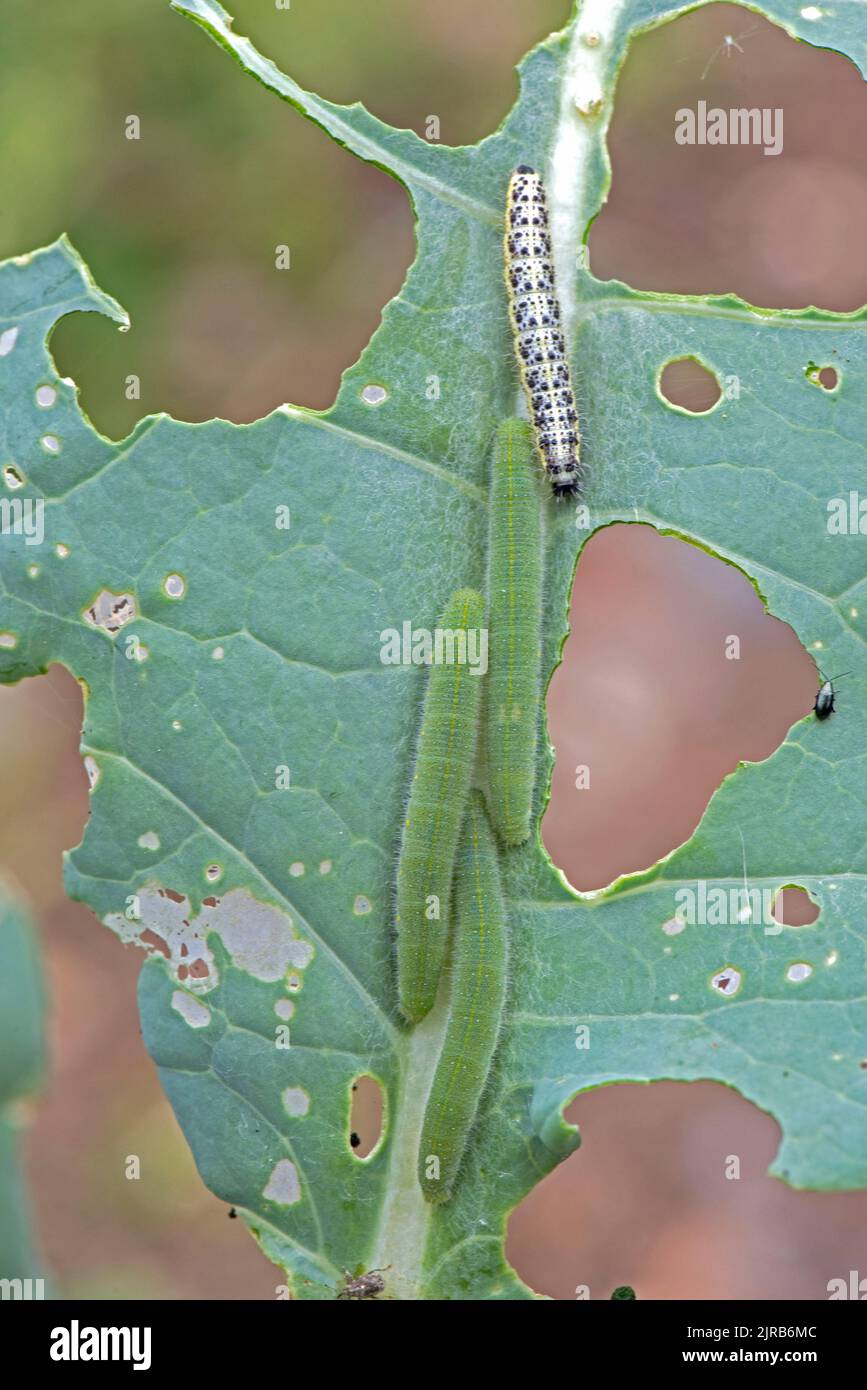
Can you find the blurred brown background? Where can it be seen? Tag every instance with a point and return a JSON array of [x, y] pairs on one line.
[[181, 227]]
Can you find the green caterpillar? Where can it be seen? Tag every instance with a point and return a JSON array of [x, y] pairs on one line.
[[478, 992], [437, 796], [515, 590]]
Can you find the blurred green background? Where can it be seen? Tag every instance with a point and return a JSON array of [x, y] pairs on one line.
[[182, 224], [181, 227]]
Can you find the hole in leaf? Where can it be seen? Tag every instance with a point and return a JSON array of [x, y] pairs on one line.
[[672, 674], [365, 1116], [686, 383], [727, 981], [783, 229], [150, 938], [651, 1191], [794, 907], [826, 377]]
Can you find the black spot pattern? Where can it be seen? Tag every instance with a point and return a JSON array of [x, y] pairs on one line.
[[539, 342]]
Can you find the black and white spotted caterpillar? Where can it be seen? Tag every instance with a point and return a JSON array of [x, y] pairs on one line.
[[539, 342]]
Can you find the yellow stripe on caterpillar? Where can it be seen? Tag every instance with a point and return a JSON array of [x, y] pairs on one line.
[[440, 783], [515, 568], [480, 956]]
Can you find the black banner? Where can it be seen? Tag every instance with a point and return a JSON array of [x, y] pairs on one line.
[[63, 1339]]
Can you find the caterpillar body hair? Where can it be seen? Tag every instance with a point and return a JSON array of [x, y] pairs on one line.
[[480, 958], [540, 345], [515, 568], [438, 793]]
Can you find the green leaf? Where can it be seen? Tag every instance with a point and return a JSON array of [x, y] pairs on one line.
[[21, 1066], [274, 900]]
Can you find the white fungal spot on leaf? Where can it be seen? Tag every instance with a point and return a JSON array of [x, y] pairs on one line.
[[174, 585], [374, 395], [673, 926], [110, 611], [161, 920], [45, 396], [8, 640], [296, 869], [213, 872], [259, 938], [284, 1008], [218, 653], [295, 1101], [362, 906], [150, 840], [12, 478], [326, 866], [798, 972], [91, 767], [61, 550], [191, 1009], [727, 981], [283, 1186], [8, 339], [51, 444]]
